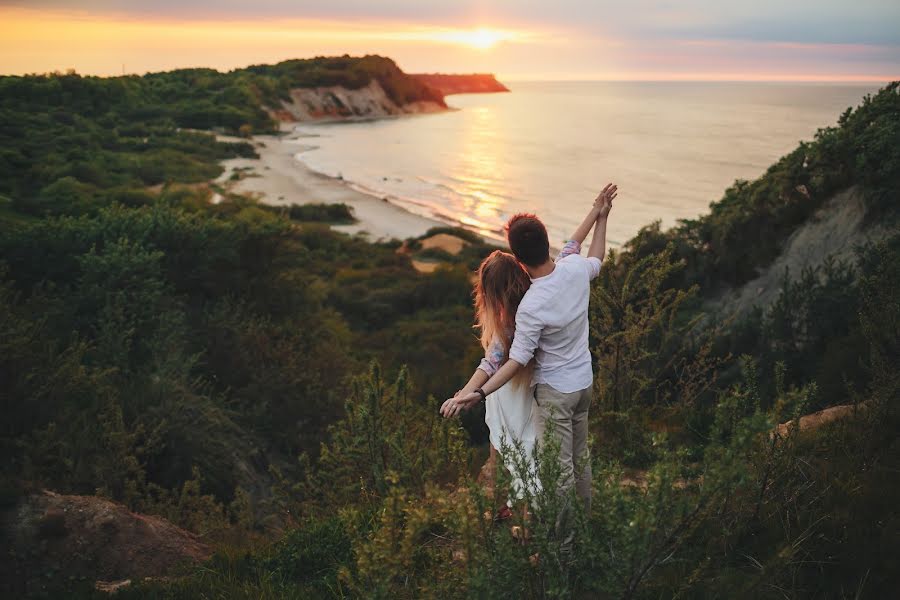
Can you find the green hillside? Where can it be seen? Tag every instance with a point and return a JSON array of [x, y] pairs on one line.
[[274, 385], [70, 143]]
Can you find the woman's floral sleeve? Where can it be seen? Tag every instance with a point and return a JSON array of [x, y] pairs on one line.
[[570, 247], [493, 358]]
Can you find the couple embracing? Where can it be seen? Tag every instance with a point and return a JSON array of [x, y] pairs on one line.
[[533, 316]]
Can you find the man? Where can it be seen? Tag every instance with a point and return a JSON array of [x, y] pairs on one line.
[[552, 327]]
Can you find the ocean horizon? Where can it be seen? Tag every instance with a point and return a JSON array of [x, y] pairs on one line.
[[548, 147]]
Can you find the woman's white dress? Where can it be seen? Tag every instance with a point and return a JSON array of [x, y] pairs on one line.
[[509, 414]]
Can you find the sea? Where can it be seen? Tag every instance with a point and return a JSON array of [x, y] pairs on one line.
[[549, 147]]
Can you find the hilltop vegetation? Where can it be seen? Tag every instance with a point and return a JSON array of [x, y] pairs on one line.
[[745, 230], [69, 144], [257, 378]]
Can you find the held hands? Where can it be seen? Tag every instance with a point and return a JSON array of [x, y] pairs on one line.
[[598, 213], [458, 403], [603, 202]]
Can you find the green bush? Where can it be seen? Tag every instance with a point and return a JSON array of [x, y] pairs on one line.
[[327, 213], [312, 554]]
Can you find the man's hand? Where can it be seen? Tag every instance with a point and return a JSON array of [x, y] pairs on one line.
[[458, 403], [604, 200]]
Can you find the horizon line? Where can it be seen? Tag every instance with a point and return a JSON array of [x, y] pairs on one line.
[[694, 78]]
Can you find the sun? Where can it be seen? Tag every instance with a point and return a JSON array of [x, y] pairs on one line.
[[478, 38], [482, 38]]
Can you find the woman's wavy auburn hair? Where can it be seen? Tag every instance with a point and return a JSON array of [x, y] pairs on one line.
[[501, 284]]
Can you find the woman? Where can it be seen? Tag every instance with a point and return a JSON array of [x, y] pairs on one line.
[[501, 284], [510, 411]]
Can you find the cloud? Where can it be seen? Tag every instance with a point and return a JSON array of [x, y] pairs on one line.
[[650, 39]]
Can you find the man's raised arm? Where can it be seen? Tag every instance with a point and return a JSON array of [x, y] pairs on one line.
[[598, 242]]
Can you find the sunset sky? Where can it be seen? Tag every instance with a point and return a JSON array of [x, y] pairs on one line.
[[517, 39]]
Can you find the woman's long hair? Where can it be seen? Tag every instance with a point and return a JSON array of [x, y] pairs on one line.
[[501, 284]]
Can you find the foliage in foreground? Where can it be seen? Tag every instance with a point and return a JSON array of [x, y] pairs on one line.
[[157, 350], [757, 515], [141, 346]]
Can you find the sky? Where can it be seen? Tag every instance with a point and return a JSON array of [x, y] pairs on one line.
[[769, 40]]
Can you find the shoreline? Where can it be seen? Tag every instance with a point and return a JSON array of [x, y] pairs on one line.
[[278, 178]]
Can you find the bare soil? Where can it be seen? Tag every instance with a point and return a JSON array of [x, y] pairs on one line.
[[53, 538]]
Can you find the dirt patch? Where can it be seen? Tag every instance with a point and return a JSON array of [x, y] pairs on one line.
[[815, 420], [54, 539], [424, 266], [446, 242]]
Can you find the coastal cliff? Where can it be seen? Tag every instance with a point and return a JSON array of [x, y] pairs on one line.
[[257, 98], [474, 83], [338, 102], [342, 87]]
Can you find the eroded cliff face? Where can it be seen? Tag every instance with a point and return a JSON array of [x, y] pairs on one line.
[[834, 232], [338, 103]]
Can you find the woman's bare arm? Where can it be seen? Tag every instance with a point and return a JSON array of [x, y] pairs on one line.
[[453, 406], [478, 379]]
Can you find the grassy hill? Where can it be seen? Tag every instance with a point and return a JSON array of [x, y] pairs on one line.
[[273, 385], [70, 143]]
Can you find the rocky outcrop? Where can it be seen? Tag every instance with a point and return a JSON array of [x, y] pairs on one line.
[[339, 103], [834, 231], [57, 538], [475, 83]]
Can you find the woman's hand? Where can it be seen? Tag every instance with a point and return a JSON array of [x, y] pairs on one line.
[[603, 202], [458, 403]]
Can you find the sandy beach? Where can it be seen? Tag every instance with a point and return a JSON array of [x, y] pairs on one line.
[[278, 178]]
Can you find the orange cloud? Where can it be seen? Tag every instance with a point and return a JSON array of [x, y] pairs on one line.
[[35, 41]]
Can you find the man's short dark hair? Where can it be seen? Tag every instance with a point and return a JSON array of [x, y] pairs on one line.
[[527, 239]]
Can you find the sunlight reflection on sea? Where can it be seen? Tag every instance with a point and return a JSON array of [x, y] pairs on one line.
[[549, 147]]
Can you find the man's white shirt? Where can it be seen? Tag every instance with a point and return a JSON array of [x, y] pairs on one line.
[[552, 325]]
